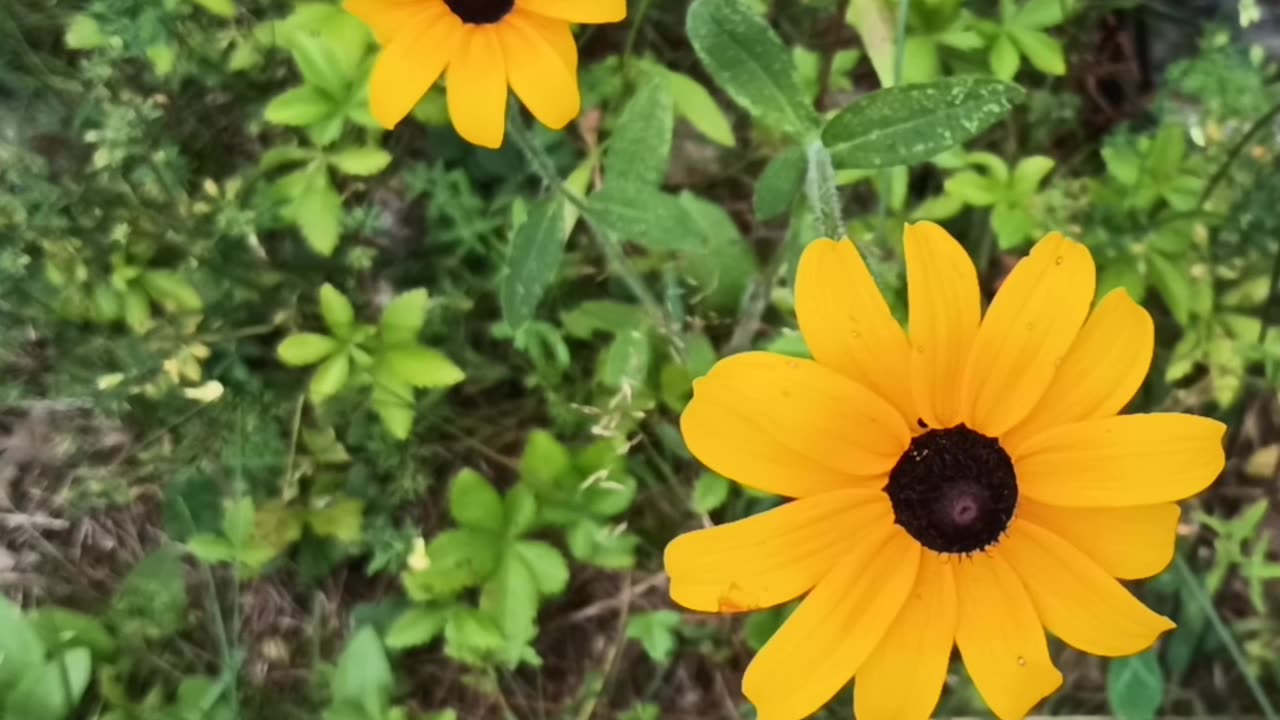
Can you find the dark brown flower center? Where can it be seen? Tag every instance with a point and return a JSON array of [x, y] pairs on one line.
[[480, 12], [954, 490]]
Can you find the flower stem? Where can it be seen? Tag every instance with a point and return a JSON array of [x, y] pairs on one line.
[[820, 190], [1192, 583]]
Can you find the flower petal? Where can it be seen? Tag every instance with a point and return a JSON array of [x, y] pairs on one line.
[[1128, 542], [1027, 330], [1122, 460], [578, 11], [846, 323], [388, 18], [478, 88], [1075, 599], [1000, 637], [537, 67], [790, 426], [946, 306], [408, 67], [825, 641], [773, 557], [1101, 372], [902, 679]]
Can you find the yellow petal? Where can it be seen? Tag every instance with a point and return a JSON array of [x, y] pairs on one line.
[[1075, 599], [945, 306], [408, 67], [791, 427], [1122, 460], [1128, 542], [773, 557], [578, 11], [903, 677], [388, 18], [536, 67], [846, 323], [478, 88], [1101, 372], [1000, 637], [824, 642], [1028, 328]]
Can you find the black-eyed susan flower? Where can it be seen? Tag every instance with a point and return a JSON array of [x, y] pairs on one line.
[[967, 483], [482, 47]]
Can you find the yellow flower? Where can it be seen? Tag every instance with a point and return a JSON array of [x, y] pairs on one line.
[[968, 483], [482, 47]]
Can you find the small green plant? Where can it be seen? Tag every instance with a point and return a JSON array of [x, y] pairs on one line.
[[387, 358]]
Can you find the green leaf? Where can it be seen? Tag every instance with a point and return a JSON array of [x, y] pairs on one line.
[[84, 33], [547, 566], [221, 8], [472, 636], [320, 65], [341, 519], [20, 648], [640, 147], [210, 549], [912, 123], [1041, 14], [171, 290], [1029, 173], [748, 60], [1012, 225], [726, 264], [780, 183], [521, 510], [459, 559], [299, 107], [1167, 151], [626, 361], [330, 377], [1004, 58], [303, 349], [337, 311], [544, 459], [1044, 52], [363, 670], [536, 253], [1175, 286], [643, 215], [361, 161], [317, 211], [510, 597], [656, 632], [1135, 686], [61, 629], [474, 503], [973, 188], [423, 367], [392, 399], [237, 522], [403, 317], [694, 103], [416, 627], [51, 692], [151, 603], [710, 492]]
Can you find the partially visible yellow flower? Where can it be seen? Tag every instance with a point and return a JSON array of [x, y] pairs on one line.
[[481, 47], [967, 483]]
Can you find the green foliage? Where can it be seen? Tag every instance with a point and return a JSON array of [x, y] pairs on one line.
[[386, 358]]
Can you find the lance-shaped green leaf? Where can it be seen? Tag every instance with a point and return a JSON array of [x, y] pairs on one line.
[[912, 123], [748, 60], [536, 253]]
